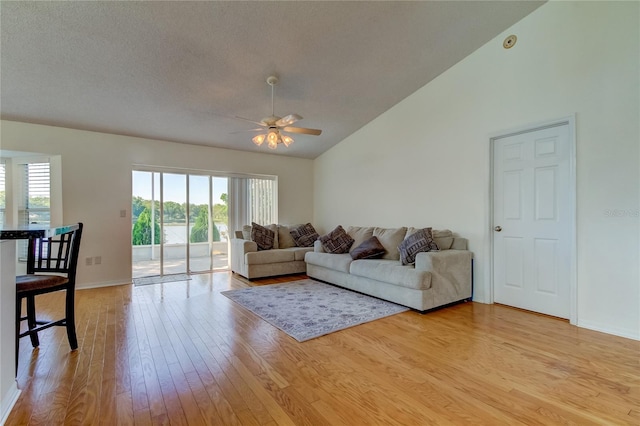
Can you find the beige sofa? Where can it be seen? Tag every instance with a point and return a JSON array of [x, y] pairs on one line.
[[283, 259], [438, 277]]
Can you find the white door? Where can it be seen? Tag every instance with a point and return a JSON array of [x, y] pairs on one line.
[[532, 218]]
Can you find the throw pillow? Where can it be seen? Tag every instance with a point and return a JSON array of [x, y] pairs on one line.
[[443, 238], [360, 234], [262, 236], [274, 228], [369, 249], [390, 238], [304, 235], [336, 241], [285, 239], [415, 243]]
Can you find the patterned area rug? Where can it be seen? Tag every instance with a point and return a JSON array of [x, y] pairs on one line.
[[308, 309], [158, 279]]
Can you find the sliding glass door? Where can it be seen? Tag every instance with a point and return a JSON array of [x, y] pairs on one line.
[[174, 223], [147, 236], [179, 223], [180, 220]]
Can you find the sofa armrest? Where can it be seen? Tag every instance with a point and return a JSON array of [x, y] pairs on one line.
[[241, 247], [450, 272], [441, 261], [317, 247]]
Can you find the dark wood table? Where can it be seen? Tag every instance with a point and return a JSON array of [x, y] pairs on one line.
[[26, 232]]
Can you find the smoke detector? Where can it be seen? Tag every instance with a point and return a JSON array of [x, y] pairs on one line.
[[509, 42]]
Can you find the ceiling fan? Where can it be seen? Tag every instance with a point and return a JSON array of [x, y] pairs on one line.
[[274, 126]]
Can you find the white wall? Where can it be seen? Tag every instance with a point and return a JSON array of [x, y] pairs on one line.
[[96, 184], [425, 162]]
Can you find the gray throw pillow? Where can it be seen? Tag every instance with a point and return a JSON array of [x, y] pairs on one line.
[[304, 235], [284, 237], [390, 238], [369, 249], [336, 241], [262, 236], [420, 241]]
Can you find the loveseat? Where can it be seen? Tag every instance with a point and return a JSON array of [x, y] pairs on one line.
[[283, 258], [437, 278]]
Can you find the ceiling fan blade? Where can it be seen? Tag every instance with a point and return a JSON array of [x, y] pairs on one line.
[[315, 132], [259, 123], [261, 129], [288, 120]]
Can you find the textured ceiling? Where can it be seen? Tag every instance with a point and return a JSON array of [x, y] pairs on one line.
[[177, 70]]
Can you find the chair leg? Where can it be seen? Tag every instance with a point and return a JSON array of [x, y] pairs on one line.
[[70, 320], [31, 320], [18, 315]]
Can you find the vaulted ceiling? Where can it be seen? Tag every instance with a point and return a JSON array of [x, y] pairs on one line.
[[180, 71]]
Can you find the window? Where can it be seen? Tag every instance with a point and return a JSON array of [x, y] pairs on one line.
[[35, 206], [30, 191]]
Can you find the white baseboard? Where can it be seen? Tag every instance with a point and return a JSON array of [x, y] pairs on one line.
[[85, 286], [621, 332], [8, 402]]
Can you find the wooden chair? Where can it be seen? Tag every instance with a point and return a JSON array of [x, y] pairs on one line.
[[51, 266]]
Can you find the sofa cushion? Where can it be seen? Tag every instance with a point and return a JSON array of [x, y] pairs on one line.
[[304, 235], [336, 262], [359, 234], [390, 238], [262, 236], [285, 240], [299, 252], [269, 256], [336, 241], [369, 249], [392, 272], [419, 241]]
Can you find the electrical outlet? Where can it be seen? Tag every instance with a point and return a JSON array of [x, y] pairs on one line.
[[97, 260], [88, 261], [123, 213]]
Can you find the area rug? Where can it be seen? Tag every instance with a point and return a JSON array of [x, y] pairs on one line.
[[308, 309], [158, 279]]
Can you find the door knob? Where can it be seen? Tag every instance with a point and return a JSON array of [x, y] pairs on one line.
[[498, 228]]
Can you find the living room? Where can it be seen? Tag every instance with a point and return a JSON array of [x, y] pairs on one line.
[[426, 161]]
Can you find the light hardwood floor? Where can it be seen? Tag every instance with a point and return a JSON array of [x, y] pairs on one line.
[[181, 353]]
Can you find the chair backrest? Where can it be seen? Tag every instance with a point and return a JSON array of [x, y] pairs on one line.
[[58, 254]]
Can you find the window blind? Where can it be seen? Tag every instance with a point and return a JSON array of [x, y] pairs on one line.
[[35, 206], [262, 200], [36, 194]]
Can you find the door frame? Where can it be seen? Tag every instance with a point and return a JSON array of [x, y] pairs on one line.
[[570, 121]]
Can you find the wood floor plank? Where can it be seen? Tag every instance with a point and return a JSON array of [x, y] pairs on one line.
[[183, 353], [124, 409]]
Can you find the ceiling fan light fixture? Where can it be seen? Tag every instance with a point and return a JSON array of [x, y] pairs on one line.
[[258, 139], [272, 137], [287, 140], [272, 144]]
